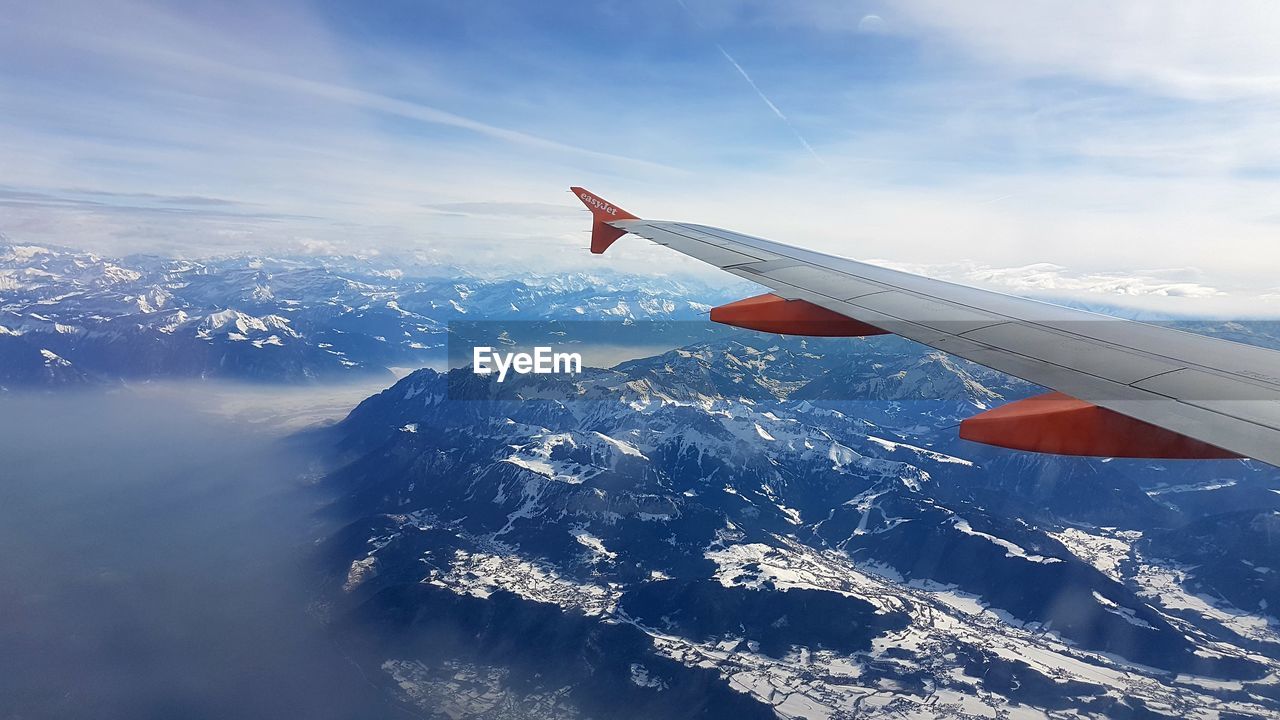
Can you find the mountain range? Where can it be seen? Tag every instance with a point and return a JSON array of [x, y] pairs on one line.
[[71, 318], [743, 526], [780, 527]]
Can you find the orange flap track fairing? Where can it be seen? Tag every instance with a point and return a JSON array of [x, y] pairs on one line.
[[1063, 425], [773, 314]]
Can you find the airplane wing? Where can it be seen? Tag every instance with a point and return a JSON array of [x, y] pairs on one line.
[[1123, 388]]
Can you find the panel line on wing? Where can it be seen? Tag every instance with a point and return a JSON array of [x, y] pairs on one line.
[[764, 266], [1162, 372]]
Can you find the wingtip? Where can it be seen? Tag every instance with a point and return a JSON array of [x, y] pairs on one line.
[[602, 209], [603, 212]]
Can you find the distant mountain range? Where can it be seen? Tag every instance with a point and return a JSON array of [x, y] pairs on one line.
[[69, 317]]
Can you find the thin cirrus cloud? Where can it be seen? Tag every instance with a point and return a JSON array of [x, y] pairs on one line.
[[1100, 138], [1149, 294], [1194, 49]]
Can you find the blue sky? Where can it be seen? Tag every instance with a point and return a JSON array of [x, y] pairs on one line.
[[1125, 149]]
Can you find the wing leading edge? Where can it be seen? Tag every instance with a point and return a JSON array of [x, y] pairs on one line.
[[1124, 388]]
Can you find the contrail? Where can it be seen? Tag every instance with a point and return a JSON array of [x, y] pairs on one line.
[[767, 101], [781, 116]]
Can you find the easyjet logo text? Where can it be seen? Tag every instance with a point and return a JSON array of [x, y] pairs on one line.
[[599, 204]]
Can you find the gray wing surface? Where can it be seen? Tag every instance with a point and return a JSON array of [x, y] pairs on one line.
[[1223, 393]]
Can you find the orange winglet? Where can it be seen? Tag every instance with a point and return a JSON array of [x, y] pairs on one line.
[[602, 211], [1060, 424], [770, 313]]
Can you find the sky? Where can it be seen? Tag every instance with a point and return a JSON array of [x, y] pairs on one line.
[[1121, 150]]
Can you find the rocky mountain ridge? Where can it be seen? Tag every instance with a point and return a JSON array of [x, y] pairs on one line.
[[823, 553]]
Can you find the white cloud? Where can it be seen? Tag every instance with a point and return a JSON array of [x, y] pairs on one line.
[[1159, 292], [999, 149], [871, 24], [1191, 48]]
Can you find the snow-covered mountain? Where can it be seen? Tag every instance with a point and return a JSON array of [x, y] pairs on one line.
[[747, 526], [767, 527], [69, 317]]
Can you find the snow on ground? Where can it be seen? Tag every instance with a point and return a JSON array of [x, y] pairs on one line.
[[52, 359], [640, 676], [360, 571], [814, 683], [1191, 487], [1164, 583], [931, 454], [482, 573], [569, 473], [625, 447], [941, 619], [458, 690], [592, 543], [1103, 548], [1011, 549]]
